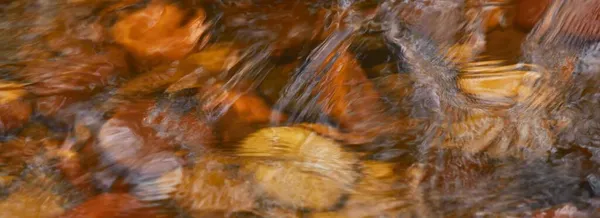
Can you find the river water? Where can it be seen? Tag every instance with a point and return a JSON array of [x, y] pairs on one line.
[[272, 108]]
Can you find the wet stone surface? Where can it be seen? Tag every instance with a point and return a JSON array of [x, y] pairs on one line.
[[271, 108]]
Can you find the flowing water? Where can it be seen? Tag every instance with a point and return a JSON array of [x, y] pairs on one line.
[[272, 108]]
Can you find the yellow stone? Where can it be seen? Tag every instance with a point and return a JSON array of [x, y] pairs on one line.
[[298, 167], [11, 91], [501, 84]]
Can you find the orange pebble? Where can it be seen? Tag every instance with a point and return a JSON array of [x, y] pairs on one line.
[[154, 33]]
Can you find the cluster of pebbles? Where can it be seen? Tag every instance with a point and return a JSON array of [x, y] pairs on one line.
[[265, 108]]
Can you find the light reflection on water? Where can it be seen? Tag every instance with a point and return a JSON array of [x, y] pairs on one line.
[[264, 108]]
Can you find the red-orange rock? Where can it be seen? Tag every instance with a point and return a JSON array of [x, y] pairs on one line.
[[346, 94], [240, 111], [72, 170], [155, 33], [529, 12], [60, 83], [247, 104], [76, 166], [14, 109], [75, 75], [14, 115], [111, 205]]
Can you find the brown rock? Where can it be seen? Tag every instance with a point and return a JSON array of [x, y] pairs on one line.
[[76, 167], [578, 19], [14, 110], [240, 111], [529, 12], [212, 185], [33, 202], [50, 106], [285, 25], [181, 128], [111, 205], [67, 80], [346, 94], [15, 155], [14, 115], [81, 75], [563, 18], [193, 71]]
